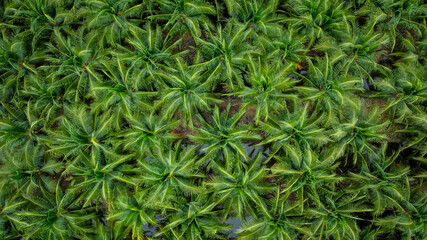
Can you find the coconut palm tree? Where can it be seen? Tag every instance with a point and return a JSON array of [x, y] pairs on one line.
[[294, 130], [329, 90], [186, 92], [184, 16], [405, 92], [359, 134], [114, 20], [54, 216], [75, 60], [222, 136], [100, 178], [239, 190], [27, 171], [268, 85], [225, 54], [129, 217], [281, 221], [78, 132], [335, 215], [306, 174], [169, 172], [195, 219], [385, 185], [20, 126]]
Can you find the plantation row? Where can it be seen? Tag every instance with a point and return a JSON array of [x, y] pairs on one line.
[[247, 119]]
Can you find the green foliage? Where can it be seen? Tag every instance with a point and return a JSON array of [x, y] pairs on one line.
[[209, 119]]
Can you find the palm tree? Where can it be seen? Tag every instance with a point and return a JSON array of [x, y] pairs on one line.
[[359, 50], [409, 224], [20, 126], [55, 216], [294, 130], [226, 55], [385, 185], [80, 131], [75, 60], [184, 16], [329, 90], [335, 216], [280, 221], [394, 17], [147, 131], [317, 19], [117, 92], [239, 190], [44, 95], [115, 20], [194, 219], [268, 84], [44, 16], [16, 61], [285, 46], [405, 92], [186, 91], [359, 134], [222, 135], [99, 178], [130, 215], [150, 53], [257, 16], [24, 172], [8, 218], [168, 172], [306, 174]]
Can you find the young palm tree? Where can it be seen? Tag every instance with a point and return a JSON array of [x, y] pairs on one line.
[[99, 178], [292, 131], [129, 217], [115, 20], [359, 135], [55, 216], [226, 55], [27, 171], [8, 218], [268, 84], [405, 91], [222, 136], [194, 219], [150, 53], [75, 60], [169, 172], [44, 95], [80, 131], [335, 216], [16, 61], [317, 19], [258, 16], [394, 16], [285, 45], [386, 185], [146, 132], [306, 174], [359, 50], [184, 16], [329, 90], [44, 16], [239, 190], [409, 224], [280, 221], [187, 91], [20, 126], [117, 92]]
